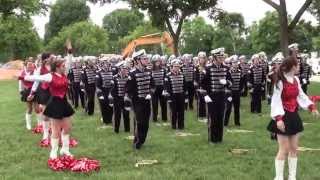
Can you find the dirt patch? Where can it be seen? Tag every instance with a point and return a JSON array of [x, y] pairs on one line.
[[8, 74]]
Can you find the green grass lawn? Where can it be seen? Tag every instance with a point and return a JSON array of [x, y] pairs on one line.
[[179, 157]]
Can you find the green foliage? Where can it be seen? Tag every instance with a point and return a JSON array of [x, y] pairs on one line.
[[86, 39], [22, 8], [315, 9], [180, 158], [18, 39], [139, 31], [197, 36], [64, 13], [122, 21]]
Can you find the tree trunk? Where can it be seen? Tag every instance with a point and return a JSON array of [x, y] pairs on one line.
[[284, 30], [175, 45]]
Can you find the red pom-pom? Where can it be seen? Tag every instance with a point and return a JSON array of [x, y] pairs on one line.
[[38, 129], [45, 143], [61, 163], [85, 165]]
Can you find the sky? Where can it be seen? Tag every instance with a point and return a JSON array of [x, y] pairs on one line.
[[252, 10]]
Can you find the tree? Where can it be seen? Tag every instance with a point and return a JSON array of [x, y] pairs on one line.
[[196, 36], [121, 21], [230, 26], [18, 39], [285, 28], [93, 41], [22, 8], [315, 9], [171, 13], [265, 36], [64, 13]]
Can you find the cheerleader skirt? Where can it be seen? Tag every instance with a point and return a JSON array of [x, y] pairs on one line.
[[293, 124], [42, 96], [24, 95], [58, 108]]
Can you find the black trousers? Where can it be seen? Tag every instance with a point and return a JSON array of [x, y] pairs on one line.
[[245, 87], [216, 115], [191, 90], [142, 111], [70, 93], [236, 108], [156, 98], [256, 99], [177, 111], [201, 105], [269, 91], [105, 109], [90, 93], [76, 91], [118, 110]]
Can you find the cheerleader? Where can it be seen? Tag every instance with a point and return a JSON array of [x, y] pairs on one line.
[[25, 88], [58, 109], [42, 94], [286, 122]]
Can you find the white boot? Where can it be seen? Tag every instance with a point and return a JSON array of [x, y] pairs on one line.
[[279, 165], [45, 126], [28, 121], [39, 118], [292, 163], [65, 145], [54, 148]]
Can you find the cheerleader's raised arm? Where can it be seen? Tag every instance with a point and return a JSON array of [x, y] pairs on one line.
[[39, 78]]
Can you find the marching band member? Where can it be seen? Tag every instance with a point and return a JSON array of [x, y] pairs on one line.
[[104, 78], [236, 87], [118, 93], [286, 122], [256, 84], [305, 73], [175, 87], [188, 71], [244, 66], [199, 75], [217, 77], [88, 80], [74, 77], [139, 90], [158, 74]]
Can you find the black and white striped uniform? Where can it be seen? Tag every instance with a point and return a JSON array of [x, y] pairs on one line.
[[304, 76], [88, 78], [236, 87], [188, 72], [244, 72], [104, 81], [216, 91], [139, 87], [118, 93], [158, 76], [175, 85], [74, 77], [256, 83], [201, 105]]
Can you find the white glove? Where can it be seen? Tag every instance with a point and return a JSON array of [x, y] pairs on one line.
[[262, 88], [251, 90], [101, 97], [127, 108], [229, 99], [164, 93], [186, 100], [223, 81], [268, 80], [148, 97], [126, 98], [304, 81], [195, 84], [207, 99]]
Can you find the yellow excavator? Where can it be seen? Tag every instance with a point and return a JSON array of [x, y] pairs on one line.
[[157, 38]]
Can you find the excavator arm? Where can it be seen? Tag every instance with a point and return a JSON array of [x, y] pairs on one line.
[[156, 38]]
